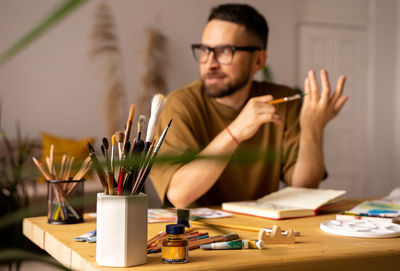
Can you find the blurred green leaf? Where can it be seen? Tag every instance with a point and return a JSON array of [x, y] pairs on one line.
[[42, 27]]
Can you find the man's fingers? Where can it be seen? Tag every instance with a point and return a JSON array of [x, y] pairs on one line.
[[339, 89], [268, 117], [326, 89], [339, 104], [313, 85], [265, 109], [275, 118], [307, 90]]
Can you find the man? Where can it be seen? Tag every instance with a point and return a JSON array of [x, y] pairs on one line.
[[227, 113]]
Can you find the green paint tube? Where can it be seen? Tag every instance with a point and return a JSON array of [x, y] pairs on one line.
[[236, 244]]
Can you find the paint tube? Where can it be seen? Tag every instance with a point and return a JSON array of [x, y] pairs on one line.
[[236, 244], [253, 244], [85, 237]]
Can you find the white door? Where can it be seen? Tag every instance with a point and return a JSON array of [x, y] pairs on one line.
[[340, 50]]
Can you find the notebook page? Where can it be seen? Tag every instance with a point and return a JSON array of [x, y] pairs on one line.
[[305, 198]]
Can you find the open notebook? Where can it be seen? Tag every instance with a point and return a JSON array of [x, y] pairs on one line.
[[288, 202]]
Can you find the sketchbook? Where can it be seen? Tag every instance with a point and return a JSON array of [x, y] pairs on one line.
[[289, 202], [385, 209]]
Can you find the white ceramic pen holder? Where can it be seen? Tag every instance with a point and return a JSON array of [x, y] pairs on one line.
[[121, 230]]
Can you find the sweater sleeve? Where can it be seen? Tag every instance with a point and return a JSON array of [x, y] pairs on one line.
[[290, 146], [180, 142]]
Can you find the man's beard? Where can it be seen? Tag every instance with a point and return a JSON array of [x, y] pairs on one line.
[[228, 89]]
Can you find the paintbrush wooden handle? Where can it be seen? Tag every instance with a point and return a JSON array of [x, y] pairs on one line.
[[40, 166], [110, 182]]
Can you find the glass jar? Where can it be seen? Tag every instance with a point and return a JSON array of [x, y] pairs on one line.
[[174, 247]]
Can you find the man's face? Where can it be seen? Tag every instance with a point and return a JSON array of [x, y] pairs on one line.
[[222, 80]]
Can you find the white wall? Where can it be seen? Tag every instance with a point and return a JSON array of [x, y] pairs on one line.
[[382, 110], [397, 99], [52, 85]]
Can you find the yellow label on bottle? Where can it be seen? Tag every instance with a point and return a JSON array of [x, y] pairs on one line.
[[174, 254]]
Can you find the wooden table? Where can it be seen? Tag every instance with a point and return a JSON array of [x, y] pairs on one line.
[[313, 250]]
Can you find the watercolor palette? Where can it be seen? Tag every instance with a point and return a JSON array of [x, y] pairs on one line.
[[361, 228]]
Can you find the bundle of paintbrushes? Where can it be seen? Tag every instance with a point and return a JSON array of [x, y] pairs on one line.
[[126, 172], [61, 186]]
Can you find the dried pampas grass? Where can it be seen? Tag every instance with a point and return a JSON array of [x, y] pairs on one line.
[[105, 49], [156, 61]]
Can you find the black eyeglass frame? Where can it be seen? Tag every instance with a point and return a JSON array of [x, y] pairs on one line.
[[212, 49]]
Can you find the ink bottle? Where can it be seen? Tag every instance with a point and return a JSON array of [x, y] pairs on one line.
[[174, 247]]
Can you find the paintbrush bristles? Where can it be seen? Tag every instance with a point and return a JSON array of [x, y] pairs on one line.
[[140, 126], [119, 136], [129, 124], [91, 149], [131, 112], [157, 105], [105, 143], [142, 118], [113, 140]]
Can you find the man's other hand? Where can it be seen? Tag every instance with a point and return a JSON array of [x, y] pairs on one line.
[[318, 109]]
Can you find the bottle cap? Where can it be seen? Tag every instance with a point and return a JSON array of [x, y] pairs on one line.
[[175, 229]]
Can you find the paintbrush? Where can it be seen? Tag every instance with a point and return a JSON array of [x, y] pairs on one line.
[[157, 105], [142, 118], [121, 177], [98, 168], [144, 163], [105, 145], [112, 154], [42, 169], [286, 99], [68, 168], [62, 166], [134, 164], [67, 171], [87, 163], [128, 125], [109, 173], [52, 169], [119, 137], [58, 192], [141, 178], [83, 170]]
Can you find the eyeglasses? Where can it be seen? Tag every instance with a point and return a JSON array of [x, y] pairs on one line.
[[223, 54]]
